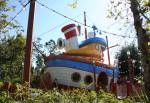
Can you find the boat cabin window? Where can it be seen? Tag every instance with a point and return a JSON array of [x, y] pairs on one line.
[[76, 77], [88, 79]]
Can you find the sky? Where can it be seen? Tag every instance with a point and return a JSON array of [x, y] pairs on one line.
[[47, 24]]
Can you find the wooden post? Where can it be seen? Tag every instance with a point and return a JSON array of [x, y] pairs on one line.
[[94, 73], [129, 88], [113, 76], [108, 51], [114, 88], [85, 31], [28, 51]]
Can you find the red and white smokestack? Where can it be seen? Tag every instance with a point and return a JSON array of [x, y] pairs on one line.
[[70, 31]]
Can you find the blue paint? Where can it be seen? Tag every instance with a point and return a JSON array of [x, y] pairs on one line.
[[93, 40], [81, 66]]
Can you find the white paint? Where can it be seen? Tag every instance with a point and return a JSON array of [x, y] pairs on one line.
[[72, 44], [70, 29], [69, 44], [63, 76]]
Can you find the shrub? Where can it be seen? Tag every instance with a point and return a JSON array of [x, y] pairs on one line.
[[5, 98], [1, 84], [24, 94]]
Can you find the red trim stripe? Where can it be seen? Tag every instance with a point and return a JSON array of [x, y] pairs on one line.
[[70, 34]]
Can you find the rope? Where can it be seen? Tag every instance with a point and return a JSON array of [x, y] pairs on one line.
[[52, 10]]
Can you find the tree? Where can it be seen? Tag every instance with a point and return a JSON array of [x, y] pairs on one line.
[[51, 47], [12, 56], [140, 10], [39, 49], [12, 47], [5, 24], [48, 48], [143, 44], [37, 56], [123, 60]]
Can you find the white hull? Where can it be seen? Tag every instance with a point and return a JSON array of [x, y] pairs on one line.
[[63, 76]]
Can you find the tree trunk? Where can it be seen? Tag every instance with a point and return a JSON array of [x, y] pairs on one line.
[[142, 44]]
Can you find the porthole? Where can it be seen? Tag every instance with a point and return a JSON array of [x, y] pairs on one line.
[[76, 77], [88, 79]]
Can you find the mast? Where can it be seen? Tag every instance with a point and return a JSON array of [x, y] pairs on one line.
[[85, 31], [94, 74], [28, 50], [108, 51], [109, 57]]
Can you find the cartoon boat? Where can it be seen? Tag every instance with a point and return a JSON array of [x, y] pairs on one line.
[[81, 65]]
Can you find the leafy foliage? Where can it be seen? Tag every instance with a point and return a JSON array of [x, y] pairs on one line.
[[73, 4], [48, 48], [139, 10], [12, 56], [25, 95], [123, 60], [120, 10], [5, 24], [51, 46]]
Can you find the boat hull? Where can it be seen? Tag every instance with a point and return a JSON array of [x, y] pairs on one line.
[[74, 73], [63, 76]]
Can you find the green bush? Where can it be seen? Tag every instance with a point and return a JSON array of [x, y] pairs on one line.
[[5, 98], [30, 95], [1, 84], [16, 80]]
